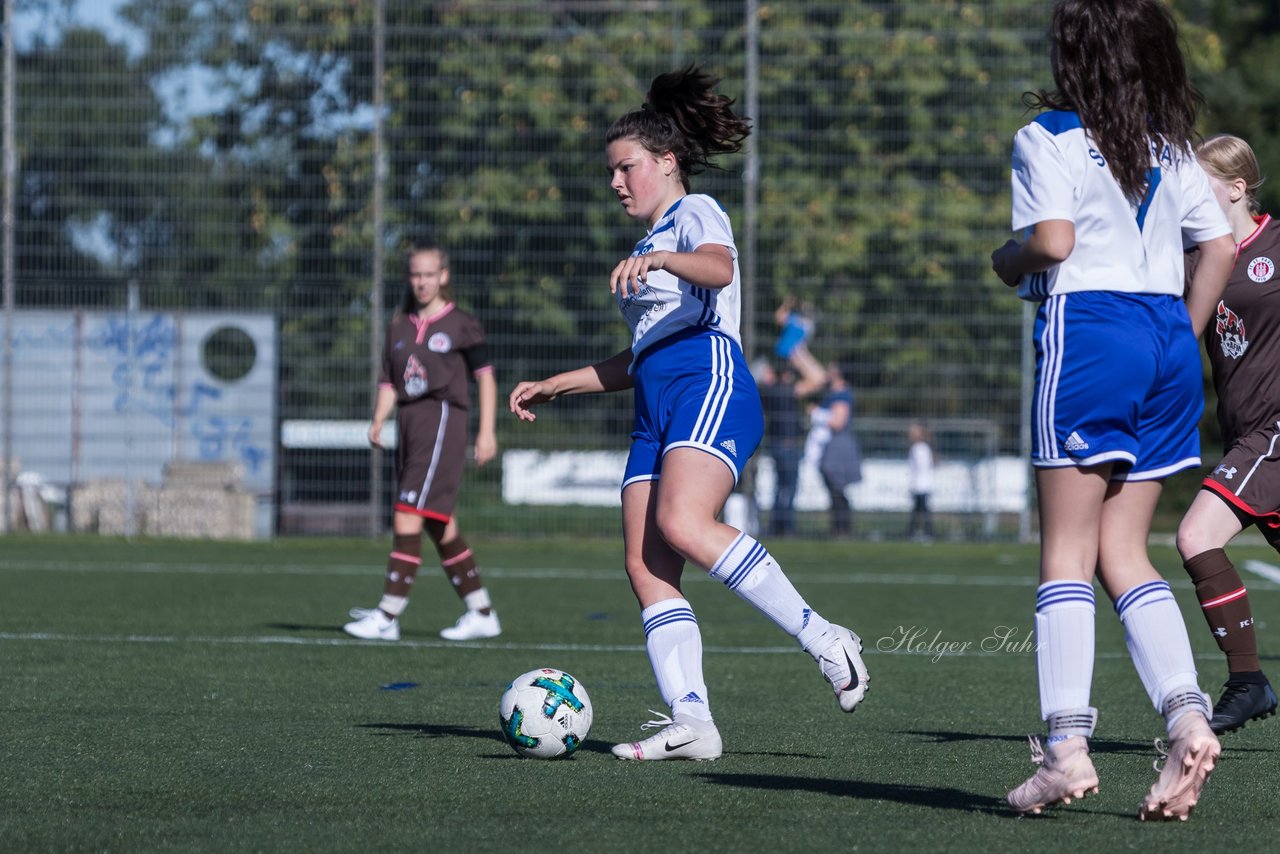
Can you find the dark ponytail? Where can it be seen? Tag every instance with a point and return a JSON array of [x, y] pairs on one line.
[[684, 114]]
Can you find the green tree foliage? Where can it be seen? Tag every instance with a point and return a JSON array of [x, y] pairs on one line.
[[86, 213], [884, 195], [1230, 46], [271, 108], [230, 163]]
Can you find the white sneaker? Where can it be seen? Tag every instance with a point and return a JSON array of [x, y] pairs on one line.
[[685, 739], [841, 662], [374, 625], [473, 625]]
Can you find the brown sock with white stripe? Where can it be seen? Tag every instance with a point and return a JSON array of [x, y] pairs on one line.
[[459, 564], [1225, 603], [402, 569]]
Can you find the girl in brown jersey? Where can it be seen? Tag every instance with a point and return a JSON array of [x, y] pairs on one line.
[[433, 350], [1243, 490]]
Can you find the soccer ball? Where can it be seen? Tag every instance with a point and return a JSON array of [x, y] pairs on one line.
[[545, 713]]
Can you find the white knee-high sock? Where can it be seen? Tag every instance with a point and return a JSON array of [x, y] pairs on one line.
[[747, 568], [1157, 639], [1065, 618], [675, 653]]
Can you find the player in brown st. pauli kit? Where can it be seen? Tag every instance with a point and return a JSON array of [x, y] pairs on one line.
[[433, 349], [1243, 342]]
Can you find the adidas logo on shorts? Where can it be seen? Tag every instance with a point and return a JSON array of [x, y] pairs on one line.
[[730, 446], [1075, 443]]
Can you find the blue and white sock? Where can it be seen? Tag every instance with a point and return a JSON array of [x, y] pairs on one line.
[[1065, 617], [747, 568], [1157, 639], [674, 643]]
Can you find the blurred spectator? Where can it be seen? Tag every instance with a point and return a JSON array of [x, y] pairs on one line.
[[919, 482], [841, 461], [781, 393], [796, 327]]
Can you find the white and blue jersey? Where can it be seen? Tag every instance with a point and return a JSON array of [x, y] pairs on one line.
[[692, 385], [1058, 173], [1118, 375], [666, 304]]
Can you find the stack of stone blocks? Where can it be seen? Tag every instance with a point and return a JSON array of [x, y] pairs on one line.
[[198, 500]]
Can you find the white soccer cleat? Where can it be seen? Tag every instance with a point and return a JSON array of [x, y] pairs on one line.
[[684, 739], [1065, 772], [473, 625], [374, 625], [1192, 753], [840, 659]]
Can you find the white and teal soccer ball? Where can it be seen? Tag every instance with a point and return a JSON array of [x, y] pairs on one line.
[[545, 714]]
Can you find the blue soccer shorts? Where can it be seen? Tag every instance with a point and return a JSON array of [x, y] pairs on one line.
[[1118, 380], [693, 390]]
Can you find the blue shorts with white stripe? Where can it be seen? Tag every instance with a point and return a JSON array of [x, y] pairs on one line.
[[1117, 380], [693, 390]]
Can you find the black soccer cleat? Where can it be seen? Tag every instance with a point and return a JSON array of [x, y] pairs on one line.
[[1240, 703]]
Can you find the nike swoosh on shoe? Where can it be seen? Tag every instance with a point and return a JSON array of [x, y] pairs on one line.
[[853, 674]]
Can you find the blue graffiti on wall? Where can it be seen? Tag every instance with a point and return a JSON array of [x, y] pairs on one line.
[[142, 377], [218, 435]]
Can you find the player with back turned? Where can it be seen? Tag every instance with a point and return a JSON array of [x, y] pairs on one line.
[[1106, 190], [698, 416]]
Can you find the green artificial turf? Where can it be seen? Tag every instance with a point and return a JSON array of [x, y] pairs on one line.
[[191, 696]]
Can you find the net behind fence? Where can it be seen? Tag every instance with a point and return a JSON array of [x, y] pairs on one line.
[[212, 199]]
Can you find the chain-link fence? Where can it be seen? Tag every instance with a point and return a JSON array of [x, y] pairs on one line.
[[209, 203]]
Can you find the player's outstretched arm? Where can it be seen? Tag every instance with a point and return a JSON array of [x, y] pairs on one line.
[[609, 375]]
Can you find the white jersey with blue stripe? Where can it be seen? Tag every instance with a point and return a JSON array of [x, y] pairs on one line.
[[1058, 173], [666, 304]]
